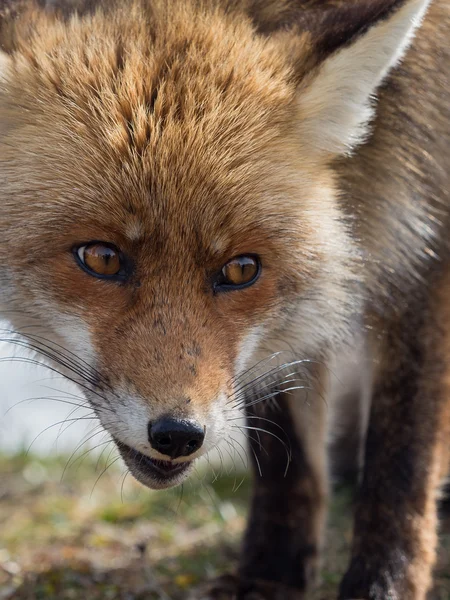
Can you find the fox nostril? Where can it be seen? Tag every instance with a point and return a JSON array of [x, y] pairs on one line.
[[163, 440], [175, 437], [192, 446]]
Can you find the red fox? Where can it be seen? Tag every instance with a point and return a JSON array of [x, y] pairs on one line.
[[208, 206]]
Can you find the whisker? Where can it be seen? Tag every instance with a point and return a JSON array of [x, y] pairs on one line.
[[219, 452], [54, 370], [100, 457], [233, 467], [103, 472], [127, 472], [88, 451], [52, 355], [37, 398], [83, 441], [72, 412], [275, 393], [237, 378], [55, 425], [257, 441], [66, 392], [245, 464], [257, 461], [215, 475], [68, 353], [267, 379], [271, 380], [259, 419], [246, 427], [235, 489]]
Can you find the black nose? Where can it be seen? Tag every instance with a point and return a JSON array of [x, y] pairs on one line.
[[175, 437]]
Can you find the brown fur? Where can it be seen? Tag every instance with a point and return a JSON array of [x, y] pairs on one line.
[[182, 132]]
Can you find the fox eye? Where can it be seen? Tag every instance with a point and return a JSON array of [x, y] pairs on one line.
[[239, 272], [100, 259]]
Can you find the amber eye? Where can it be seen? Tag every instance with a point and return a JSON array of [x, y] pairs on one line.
[[100, 259], [239, 272]]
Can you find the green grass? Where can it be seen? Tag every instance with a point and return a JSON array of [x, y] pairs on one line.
[[88, 537]]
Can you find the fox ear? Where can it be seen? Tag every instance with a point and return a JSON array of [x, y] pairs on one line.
[[336, 96]]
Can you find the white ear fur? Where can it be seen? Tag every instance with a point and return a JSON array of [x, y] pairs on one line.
[[336, 102]]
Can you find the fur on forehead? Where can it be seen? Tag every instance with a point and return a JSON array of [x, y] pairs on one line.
[[142, 92], [140, 77], [145, 115], [186, 100]]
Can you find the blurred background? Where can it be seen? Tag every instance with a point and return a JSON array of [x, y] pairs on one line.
[[31, 402]]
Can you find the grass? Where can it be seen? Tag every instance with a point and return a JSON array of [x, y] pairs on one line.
[[89, 537]]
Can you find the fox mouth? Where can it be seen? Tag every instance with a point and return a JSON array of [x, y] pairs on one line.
[[152, 472]]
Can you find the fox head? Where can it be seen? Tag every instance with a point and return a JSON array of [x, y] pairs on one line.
[[169, 210]]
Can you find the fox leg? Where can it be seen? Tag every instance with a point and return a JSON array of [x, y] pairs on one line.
[[282, 542], [406, 457]]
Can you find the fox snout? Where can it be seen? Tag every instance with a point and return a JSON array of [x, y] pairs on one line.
[[172, 444], [171, 404]]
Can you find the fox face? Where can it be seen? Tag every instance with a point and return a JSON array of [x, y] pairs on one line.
[[169, 211]]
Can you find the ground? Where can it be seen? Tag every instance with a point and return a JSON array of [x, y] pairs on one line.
[[81, 533]]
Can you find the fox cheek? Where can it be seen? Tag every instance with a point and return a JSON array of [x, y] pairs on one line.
[[247, 347]]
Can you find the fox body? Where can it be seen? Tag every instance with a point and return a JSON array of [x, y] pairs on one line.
[[204, 211]]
